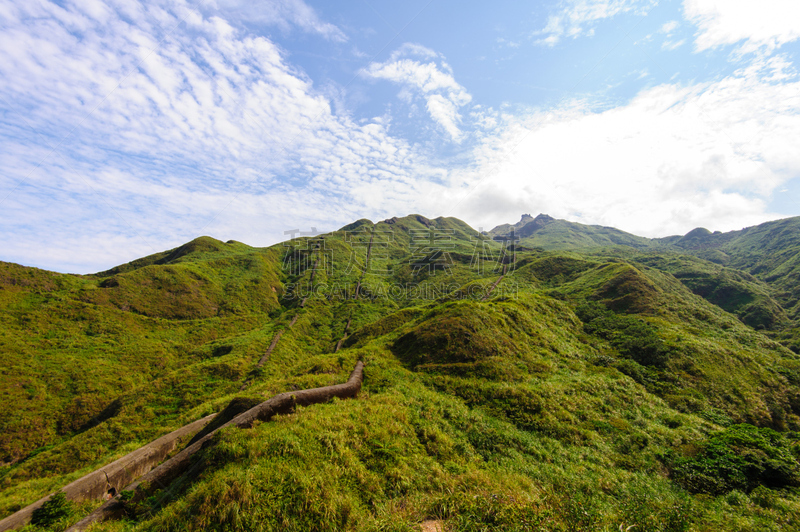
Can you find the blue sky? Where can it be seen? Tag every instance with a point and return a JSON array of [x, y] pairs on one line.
[[132, 127]]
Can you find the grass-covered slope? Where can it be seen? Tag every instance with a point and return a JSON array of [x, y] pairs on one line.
[[753, 273], [536, 431], [72, 345], [549, 233], [735, 291], [201, 279], [771, 253], [584, 392]]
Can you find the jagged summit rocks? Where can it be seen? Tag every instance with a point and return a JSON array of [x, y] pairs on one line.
[[526, 226], [552, 233]]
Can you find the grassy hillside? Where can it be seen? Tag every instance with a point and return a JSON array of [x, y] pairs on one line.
[[504, 390], [771, 253], [735, 291], [73, 345], [549, 233], [753, 273]]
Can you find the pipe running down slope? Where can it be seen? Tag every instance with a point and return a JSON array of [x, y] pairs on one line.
[[110, 478], [163, 475]]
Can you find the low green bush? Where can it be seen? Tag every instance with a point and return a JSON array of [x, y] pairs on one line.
[[632, 337], [741, 457], [55, 509]]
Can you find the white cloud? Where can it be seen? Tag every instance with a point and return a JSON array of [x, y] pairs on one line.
[[509, 44], [669, 45], [672, 159], [765, 24], [445, 112], [576, 18], [413, 49], [131, 128], [432, 80], [281, 13], [669, 27], [141, 125]]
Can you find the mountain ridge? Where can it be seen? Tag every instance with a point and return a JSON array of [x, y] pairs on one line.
[[493, 369], [770, 251]]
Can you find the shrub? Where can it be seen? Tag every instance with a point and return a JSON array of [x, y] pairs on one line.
[[741, 457], [460, 333], [632, 337], [53, 510], [737, 498], [764, 497]]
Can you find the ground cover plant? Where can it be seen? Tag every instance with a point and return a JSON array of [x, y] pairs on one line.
[[547, 387]]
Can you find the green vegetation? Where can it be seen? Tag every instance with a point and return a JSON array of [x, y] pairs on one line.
[[737, 292], [57, 508], [631, 337], [547, 232], [638, 386], [741, 457]]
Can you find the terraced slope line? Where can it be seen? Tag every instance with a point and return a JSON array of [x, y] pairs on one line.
[[270, 348], [277, 337], [164, 474], [109, 479], [311, 279]]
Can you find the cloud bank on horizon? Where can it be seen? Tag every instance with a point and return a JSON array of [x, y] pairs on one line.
[[133, 127]]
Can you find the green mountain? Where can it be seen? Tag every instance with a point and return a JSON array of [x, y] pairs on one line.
[[769, 251], [541, 376], [549, 233], [753, 273]]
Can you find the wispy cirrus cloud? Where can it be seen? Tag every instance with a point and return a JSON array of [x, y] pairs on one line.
[[575, 18], [671, 42], [160, 123], [424, 73], [281, 13]]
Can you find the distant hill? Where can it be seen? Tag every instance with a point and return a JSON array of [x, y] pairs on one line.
[[583, 378], [549, 233], [759, 281], [770, 251]]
